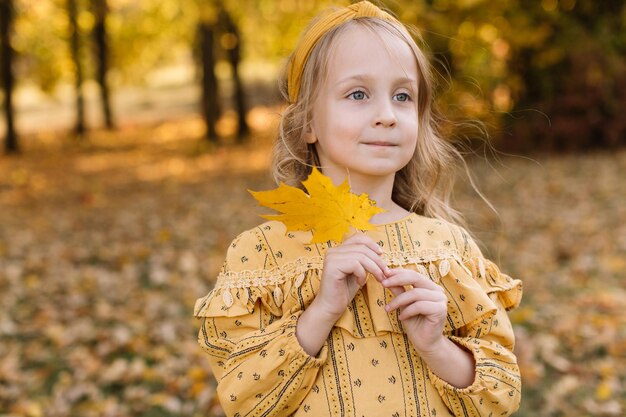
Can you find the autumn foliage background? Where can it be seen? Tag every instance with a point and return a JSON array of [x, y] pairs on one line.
[[108, 237]]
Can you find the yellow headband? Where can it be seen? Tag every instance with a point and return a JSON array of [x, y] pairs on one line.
[[308, 41]]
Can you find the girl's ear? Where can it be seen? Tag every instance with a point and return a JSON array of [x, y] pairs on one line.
[[309, 134]]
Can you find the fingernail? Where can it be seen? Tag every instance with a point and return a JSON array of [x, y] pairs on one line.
[[387, 308]]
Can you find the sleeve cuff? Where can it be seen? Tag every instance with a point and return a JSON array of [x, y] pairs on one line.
[[296, 348], [476, 386]]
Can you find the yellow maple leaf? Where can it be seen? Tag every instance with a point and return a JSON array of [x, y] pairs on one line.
[[327, 210]]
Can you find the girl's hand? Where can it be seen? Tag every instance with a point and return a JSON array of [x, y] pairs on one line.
[[423, 308], [345, 272]]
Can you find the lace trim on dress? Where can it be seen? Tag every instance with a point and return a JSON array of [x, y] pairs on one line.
[[470, 285], [268, 277], [299, 267]]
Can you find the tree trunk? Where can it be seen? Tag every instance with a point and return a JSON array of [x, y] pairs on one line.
[[72, 12], [233, 52], [210, 102], [102, 54], [6, 72]]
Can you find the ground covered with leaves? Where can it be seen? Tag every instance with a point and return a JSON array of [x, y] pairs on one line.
[[105, 245]]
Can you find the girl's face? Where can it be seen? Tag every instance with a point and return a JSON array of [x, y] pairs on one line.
[[365, 120]]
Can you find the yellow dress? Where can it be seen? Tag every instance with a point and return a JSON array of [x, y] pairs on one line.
[[367, 366]]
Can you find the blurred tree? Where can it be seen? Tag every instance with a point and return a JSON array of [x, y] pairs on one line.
[[231, 43], [573, 73], [6, 64], [207, 42], [210, 98], [75, 48], [100, 38]]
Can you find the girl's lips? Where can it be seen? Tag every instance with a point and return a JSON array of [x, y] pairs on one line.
[[380, 143]]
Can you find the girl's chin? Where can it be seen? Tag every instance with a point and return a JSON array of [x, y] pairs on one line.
[[372, 172]]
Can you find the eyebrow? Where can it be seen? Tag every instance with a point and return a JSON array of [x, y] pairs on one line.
[[363, 77]]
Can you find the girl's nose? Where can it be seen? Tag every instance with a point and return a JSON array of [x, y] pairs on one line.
[[385, 116]]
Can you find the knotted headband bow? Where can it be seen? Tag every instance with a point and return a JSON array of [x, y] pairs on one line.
[[308, 41]]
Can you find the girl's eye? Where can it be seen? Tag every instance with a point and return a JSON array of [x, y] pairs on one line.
[[357, 95], [403, 97]]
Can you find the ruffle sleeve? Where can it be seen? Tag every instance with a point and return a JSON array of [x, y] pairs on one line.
[[249, 333], [479, 295], [472, 286]]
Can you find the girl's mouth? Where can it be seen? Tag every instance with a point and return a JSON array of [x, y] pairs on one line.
[[380, 143]]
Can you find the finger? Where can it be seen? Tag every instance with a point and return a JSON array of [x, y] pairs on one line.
[[355, 264], [361, 280], [360, 274], [360, 238], [370, 265], [425, 308], [400, 270], [415, 295], [366, 251], [396, 290], [409, 277], [355, 268]]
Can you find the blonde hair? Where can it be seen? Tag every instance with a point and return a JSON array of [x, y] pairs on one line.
[[425, 184]]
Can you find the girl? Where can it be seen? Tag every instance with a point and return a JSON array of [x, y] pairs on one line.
[[405, 320]]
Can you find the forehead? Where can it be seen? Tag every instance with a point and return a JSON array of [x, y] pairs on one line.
[[368, 49]]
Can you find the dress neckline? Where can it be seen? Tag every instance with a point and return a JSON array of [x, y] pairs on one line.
[[401, 220]]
